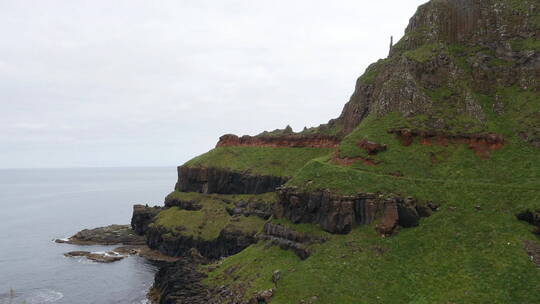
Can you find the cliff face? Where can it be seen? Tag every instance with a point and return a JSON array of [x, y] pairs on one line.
[[452, 50], [459, 92], [228, 243], [340, 214], [215, 180]]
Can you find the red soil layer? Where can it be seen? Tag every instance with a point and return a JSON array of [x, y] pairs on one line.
[[481, 144], [284, 141]]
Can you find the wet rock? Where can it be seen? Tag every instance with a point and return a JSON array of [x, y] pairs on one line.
[[105, 257], [110, 235]]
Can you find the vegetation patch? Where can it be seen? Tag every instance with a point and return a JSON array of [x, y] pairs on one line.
[[208, 222], [424, 53], [258, 160]]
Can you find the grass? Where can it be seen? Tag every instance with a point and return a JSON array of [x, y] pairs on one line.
[[470, 251], [529, 44], [208, 222], [458, 255], [423, 53], [258, 160]]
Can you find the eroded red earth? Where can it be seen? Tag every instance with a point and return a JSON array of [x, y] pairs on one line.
[[481, 144]]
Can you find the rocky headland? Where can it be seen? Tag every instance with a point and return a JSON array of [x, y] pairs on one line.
[[414, 194]]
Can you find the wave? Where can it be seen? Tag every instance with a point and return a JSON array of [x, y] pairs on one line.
[[45, 296]]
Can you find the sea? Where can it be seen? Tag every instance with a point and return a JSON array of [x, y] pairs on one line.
[[40, 205]]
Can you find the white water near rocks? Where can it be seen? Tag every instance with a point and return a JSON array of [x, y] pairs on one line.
[[39, 205]]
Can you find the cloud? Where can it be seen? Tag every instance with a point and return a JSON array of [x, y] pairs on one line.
[[156, 83]]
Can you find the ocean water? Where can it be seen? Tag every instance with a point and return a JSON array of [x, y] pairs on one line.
[[37, 206]]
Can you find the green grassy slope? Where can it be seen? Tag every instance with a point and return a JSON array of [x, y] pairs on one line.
[[258, 160], [458, 255], [208, 222], [470, 251]]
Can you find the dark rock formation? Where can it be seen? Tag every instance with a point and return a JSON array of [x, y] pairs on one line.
[[281, 141], [423, 60], [531, 217], [216, 180], [339, 214], [180, 282], [142, 217], [110, 235], [105, 257], [261, 209], [228, 242], [289, 239], [190, 205]]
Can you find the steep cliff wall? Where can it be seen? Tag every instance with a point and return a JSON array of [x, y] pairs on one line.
[[229, 242], [216, 180], [340, 214], [452, 51]]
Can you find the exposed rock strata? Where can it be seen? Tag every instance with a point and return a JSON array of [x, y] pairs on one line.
[[339, 214], [481, 144], [222, 181], [142, 217], [289, 239], [485, 30], [180, 282], [282, 141], [263, 210], [228, 242]]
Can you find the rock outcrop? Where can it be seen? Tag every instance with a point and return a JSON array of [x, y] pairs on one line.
[[142, 217], [228, 242], [281, 141], [290, 239], [339, 214], [263, 210], [100, 257], [180, 282], [110, 235], [222, 181], [448, 43]]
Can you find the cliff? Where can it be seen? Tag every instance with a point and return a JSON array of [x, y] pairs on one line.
[[418, 182]]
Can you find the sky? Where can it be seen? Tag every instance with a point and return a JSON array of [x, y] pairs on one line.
[[154, 83]]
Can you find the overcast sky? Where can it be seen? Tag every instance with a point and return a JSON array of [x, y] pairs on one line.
[[155, 83]]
